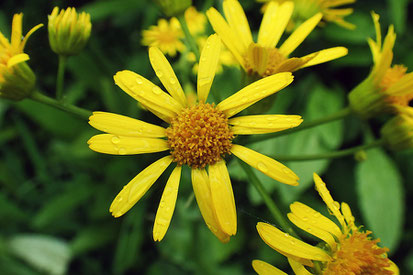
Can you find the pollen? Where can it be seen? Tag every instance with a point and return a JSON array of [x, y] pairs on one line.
[[393, 75], [199, 136], [358, 254], [263, 61]]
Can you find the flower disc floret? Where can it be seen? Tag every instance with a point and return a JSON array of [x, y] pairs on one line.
[[199, 136]]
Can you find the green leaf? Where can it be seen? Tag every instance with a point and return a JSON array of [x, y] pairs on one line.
[[380, 193], [92, 238], [398, 12]]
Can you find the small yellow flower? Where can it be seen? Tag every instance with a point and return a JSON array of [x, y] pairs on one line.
[[263, 58], [195, 20], [166, 36], [387, 86], [398, 131], [198, 136], [345, 250], [331, 10], [16, 78], [68, 31]]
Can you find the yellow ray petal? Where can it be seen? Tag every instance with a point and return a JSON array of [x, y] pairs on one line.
[[332, 205], [147, 93], [167, 205], [137, 187], [298, 36], [325, 56], [393, 267], [124, 126], [266, 165], [16, 59], [235, 15], [16, 30], [348, 216], [223, 197], [298, 268], [207, 66], [277, 239], [202, 190], [166, 75], [23, 43], [262, 124], [231, 41], [254, 92], [315, 231], [274, 22], [314, 218], [263, 268], [121, 145]]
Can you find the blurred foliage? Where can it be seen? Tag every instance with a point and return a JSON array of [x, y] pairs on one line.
[[55, 192]]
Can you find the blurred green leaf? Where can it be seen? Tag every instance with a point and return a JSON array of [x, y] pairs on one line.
[[380, 193], [92, 238], [398, 13], [364, 29]]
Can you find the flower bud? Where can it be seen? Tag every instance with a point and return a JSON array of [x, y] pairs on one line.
[[173, 7], [398, 131]]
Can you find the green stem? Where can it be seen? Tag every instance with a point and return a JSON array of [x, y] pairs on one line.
[[305, 125], [332, 155], [60, 77], [77, 111], [190, 39], [275, 211]]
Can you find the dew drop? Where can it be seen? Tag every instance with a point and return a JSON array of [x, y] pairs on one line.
[[287, 171], [305, 219], [316, 214], [159, 74], [286, 235], [156, 90], [262, 167], [271, 118], [115, 140], [139, 80], [293, 242], [162, 221], [122, 151], [204, 81], [172, 80]]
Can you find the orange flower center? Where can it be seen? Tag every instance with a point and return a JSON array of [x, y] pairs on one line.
[[392, 76], [263, 61], [358, 254], [199, 136]]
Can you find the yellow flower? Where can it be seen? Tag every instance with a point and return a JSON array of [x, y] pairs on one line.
[[398, 131], [331, 10], [345, 250], [198, 136], [68, 31], [386, 86], [16, 78], [165, 36], [263, 58], [195, 20]]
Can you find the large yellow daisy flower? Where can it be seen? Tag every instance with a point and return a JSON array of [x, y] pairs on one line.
[[346, 249], [16, 78], [386, 86], [198, 136], [331, 10], [264, 58]]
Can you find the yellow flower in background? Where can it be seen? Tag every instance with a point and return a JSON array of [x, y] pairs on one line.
[[68, 31], [198, 136], [264, 58], [331, 10], [166, 36], [195, 20], [398, 131], [16, 78], [346, 249], [387, 86]]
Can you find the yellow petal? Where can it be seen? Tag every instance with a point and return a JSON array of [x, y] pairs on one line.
[[231, 41], [121, 145], [277, 239], [202, 190], [207, 66], [124, 126], [166, 75], [274, 22], [266, 165], [147, 93], [393, 267], [16, 59], [298, 268], [23, 43], [254, 92], [263, 268], [238, 22], [348, 216], [325, 56], [332, 205], [223, 197], [263, 124], [167, 205], [313, 230], [314, 218], [137, 187], [16, 30], [298, 36]]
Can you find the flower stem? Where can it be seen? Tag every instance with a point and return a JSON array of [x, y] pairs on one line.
[[305, 125], [60, 77], [275, 211], [77, 111], [189, 38], [332, 155]]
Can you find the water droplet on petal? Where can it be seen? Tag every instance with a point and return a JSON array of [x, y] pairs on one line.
[[204, 81], [115, 139], [139, 80], [122, 151], [156, 90], [262, 167], [159, 74], [172, 80], [286, 235]]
